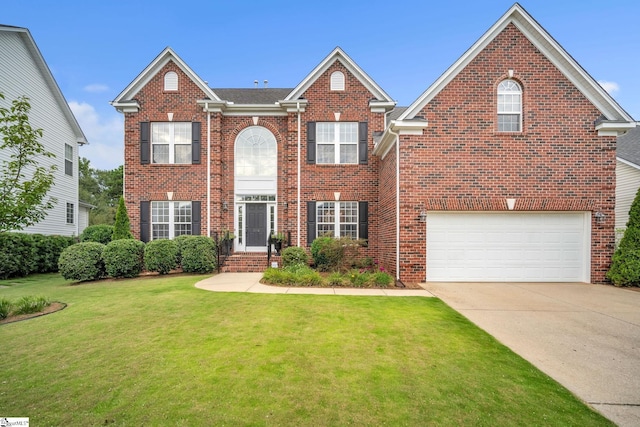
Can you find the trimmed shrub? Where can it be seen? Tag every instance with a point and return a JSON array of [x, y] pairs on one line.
[[330, 254], [198, 254], [5, 308], [101, 233], [161, 256], [29, 304], [48, 250], [625, 265], [82, 262], [17, 255], [180, 242], [294, 255], [123, 258], [122, 227]]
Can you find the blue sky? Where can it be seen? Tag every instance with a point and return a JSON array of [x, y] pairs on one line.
[[96, 48]]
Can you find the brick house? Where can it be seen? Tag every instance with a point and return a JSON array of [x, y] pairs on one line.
[[502, 170]]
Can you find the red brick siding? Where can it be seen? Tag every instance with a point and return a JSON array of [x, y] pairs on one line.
[[558, 162], [387, 208], [153, 181]]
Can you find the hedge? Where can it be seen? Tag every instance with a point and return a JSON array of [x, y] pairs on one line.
[[123, 258], [82, 262]]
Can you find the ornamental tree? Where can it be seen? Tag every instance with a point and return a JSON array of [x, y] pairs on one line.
[[122, 228], [625, 266], [24, 182]]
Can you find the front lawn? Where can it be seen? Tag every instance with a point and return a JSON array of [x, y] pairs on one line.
[[157, 351]]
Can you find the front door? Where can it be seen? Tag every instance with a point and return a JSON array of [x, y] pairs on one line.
[[256, 224]]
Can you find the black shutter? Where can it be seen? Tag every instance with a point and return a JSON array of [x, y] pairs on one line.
[[311, 222], [195, 218], [145, 144], [363, 220], [145, 227], [363, 143], [311, 142], [195, 143]]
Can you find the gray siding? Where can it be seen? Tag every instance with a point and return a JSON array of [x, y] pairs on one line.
[[20, 75], [627, 183]]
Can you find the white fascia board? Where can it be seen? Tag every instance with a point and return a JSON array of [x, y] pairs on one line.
[[381, 106], [628, 163], [297, 106], [338, 55], [398, 127], [606, 128], [126, 107], [539, 37], [25, 36], [254, 109], [152, 69], [212, 106]]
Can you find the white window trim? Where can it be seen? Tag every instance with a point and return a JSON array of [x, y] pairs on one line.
[[337, 81], [172, 222], [510, 113], [337, 143], [172, 144], [336, 222], [66, 159], [171, 81], [73, 213]]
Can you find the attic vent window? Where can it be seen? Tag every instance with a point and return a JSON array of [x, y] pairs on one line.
[[337, 80], [171, 81]]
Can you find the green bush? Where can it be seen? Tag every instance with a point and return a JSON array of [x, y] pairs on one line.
[[101, 233], [294, 255], [82, 262], [122, 227], [123, 258], [625, 265], [180, 243], [161, 256], [29, 304], [48, 250], [5, 308], [198, 254], [331, 254], [17, 255], [336, 279], [382, 279]]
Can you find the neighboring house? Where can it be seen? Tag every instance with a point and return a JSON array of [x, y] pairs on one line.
[[23, 72], [503, 170], [627, 174]]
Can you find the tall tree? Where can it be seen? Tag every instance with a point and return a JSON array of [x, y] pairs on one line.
[[122, 227], [101, 188], [24, 184]]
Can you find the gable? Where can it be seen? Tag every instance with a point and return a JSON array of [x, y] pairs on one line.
[[339, 56], [615, 119], [125, 101]]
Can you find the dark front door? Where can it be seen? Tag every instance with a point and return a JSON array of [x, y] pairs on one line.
[[256, 224]]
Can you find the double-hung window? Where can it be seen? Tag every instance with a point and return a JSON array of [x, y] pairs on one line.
[[337, 142], [170, 219], [68, 159], [509, 106], [70, 213], [337, 219], [171, 142]]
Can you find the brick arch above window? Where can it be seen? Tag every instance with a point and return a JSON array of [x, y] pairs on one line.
[[171, 81]]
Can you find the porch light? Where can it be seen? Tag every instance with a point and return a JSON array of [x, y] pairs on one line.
[[422, 217], [599, 216], [225, 206]]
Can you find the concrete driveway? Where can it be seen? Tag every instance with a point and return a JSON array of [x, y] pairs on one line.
[[587, 337]]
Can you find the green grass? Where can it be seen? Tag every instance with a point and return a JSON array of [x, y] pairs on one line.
[[157, 351]]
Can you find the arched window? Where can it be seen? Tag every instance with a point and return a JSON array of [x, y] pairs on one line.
[[337, 80], [171, 81], [256, 153], [509, 106]]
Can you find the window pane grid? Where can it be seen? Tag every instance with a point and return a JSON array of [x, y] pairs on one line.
[[509, 106], [170, 219], [171, 142], [338, 219], [336, 143]]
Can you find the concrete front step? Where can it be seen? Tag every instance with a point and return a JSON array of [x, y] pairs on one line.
[[249, 262]]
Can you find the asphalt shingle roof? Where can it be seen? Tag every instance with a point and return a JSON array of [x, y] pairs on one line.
[[253, 95], [628, 146]]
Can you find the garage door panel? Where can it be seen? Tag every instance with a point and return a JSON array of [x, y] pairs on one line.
[[508, 246]]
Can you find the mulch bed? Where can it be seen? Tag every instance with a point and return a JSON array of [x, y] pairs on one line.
[[52, 308]]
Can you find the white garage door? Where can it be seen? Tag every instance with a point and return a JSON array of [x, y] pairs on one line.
[[520, 247]]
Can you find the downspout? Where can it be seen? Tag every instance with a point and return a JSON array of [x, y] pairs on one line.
[[298, 203], [397, 204], [208, 170]]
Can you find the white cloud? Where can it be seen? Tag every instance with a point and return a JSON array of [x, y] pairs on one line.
[[105, 134], [96, 88], [610, 87]]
